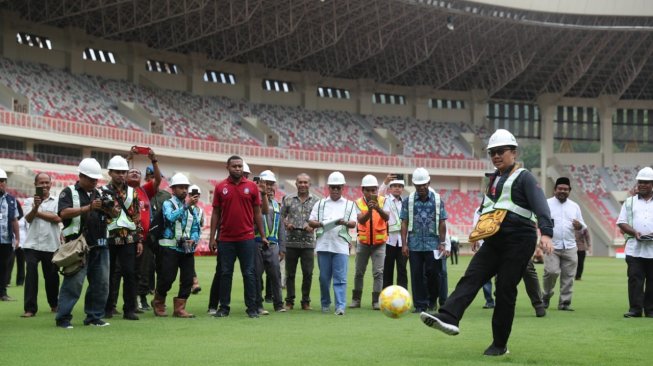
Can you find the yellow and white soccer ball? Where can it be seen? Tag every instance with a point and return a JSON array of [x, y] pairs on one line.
[[395, 301]]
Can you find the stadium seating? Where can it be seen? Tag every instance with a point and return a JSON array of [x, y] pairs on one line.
[[423, 138], [56, 93]]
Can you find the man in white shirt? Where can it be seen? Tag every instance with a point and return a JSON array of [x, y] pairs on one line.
[[567, 219], [393, 255], [636, 222], [332, 218], [43, 238]]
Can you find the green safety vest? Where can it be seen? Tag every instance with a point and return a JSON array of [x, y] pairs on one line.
[[76, 222], [179, 231], [629, 214], [505, 200], [344, 231], [124, 221], [272, 235], [411, 207], [396, 227]]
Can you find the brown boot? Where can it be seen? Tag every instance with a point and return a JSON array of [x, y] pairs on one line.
[[159, 305], [196, 286], [180, 309]]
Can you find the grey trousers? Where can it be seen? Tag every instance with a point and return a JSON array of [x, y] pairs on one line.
[[363, 254], [561, 263]]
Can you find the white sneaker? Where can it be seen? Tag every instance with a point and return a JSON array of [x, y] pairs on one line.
[[212, 311], [434, 322], [340, 312]]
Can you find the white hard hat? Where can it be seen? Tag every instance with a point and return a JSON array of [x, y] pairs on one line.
[[397, 181], [645, 174], [336, 179], [501, 137], [3, 174], [268, 176], [118, 163], [195, 188], [246, 168], [421, 176], [90, 168], [369, 181], [179, 180]]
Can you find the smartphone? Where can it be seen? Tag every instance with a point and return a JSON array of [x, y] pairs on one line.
[[39, 191], [194, 192], [399, 176], [374, 197], [256, 179], [142, 150]]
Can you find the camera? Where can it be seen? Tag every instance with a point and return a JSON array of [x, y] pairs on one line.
[[107, 198], [186, 244], [194, 192]]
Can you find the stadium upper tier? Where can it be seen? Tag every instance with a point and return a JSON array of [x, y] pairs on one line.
[[95, 100]]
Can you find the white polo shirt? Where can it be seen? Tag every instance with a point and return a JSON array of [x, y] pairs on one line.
[[42, 235], [330, 241], [643, 223], [563, 213]]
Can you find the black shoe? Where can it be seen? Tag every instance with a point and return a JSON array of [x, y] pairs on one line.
[[144, 305], [488, 305], [439, 322], [96, 323], [634, 314], [565, 307], [496, 351], [545, 302], [221, 314], [252, 314], [540, 311], [130, 316]]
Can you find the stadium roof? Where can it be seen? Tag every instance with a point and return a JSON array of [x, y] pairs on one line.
[[510, 53]]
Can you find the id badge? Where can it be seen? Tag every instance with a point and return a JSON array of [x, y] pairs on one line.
[[102, 242]]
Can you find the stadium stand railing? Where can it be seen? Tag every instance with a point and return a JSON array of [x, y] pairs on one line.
[[131, 137]]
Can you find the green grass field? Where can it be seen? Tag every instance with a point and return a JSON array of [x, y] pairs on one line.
[[595, 334]]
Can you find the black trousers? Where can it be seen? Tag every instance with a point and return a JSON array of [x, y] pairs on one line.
[[171, 260], [307, 257], [394, 257], [17, 256], [421, 267], [454, 253], [581, 264], [145, 271], [245, 251], [436, 283], [214, 296], [640, 284], [506, 256], [5, 255], [50, 276], [125, 255], [532, 284]]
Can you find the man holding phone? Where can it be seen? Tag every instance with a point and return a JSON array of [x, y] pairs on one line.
[[373, 213], [42, 241]]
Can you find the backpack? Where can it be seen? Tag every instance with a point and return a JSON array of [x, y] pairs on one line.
[[157, 222]]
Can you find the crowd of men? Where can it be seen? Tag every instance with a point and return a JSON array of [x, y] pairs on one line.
[[144, 237]]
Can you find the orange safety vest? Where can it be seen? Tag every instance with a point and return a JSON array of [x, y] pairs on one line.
[[375, 225]]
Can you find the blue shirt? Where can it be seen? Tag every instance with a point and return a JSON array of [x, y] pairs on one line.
[[172, 215], [424, 236], [8, 213]]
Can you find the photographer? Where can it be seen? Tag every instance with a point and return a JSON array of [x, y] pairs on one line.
[[125, 238], [80, 208], [181, 234]]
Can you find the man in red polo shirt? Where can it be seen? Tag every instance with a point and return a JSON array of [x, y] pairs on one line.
[[236, 208]]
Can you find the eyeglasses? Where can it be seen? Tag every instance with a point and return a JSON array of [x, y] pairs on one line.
[[336, 188], [499, 152]]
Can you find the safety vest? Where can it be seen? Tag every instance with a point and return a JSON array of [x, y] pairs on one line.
[[272, 235], [375, 230], [75, 222], [411, 208], [629, 214], [505, 200], [179, 231], [396, 227], [124, 221], [344, 231]]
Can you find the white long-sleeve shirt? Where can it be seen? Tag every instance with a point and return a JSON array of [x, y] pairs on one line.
[[642, 222], [563, 214]]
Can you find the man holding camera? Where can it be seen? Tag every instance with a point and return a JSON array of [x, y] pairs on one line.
[[373, 213], [125, 238], [80, 208], [181, 233], [42, 240]]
